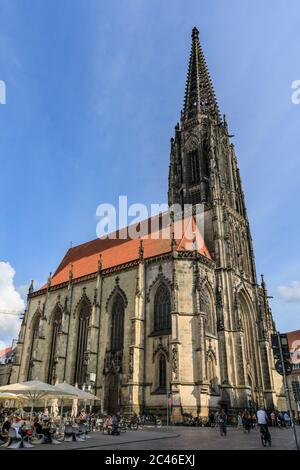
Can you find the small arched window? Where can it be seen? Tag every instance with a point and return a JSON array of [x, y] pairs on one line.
[[211, 374], [36, 326], [207, 307], [117, 324], [162, 373], [83, 324], [195, 167], [56, 328], [162, 310], [34, 337]]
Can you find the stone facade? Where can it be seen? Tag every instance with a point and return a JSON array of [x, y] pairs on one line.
[[5, 372], [217, 349]]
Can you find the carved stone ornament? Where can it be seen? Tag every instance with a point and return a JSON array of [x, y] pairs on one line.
[[175, 362], [131, 363]]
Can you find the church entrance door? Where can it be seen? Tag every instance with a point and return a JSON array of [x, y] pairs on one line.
[[113, 389]]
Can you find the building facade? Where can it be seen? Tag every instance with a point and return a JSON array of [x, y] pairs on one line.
[[154, 321], [294, 378], [6, 362]]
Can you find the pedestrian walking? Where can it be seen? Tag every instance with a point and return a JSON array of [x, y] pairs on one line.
[[253, 421], [246, 421], [287, 419], [273, 419], [222, 420], [240, 420]]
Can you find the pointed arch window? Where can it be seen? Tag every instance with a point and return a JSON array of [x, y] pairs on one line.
[[195, 167], [56, 328], [117, 324], [207, 307], [204, 158], [34, 337], [162, 310], [162, 373], [83, 324], [211, 373]]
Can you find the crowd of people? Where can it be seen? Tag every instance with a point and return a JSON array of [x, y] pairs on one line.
[[245, 420], [248, 420], [41, 423], [24, 426]]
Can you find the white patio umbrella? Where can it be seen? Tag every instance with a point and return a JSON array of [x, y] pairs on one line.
[[10, 396], [77, 394], [75, 391], [34, 390]]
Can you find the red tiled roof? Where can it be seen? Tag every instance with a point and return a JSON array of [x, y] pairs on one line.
[[5, 352], [114, 252]]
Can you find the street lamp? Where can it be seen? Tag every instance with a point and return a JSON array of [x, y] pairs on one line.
[[169, 403], [92, 383]]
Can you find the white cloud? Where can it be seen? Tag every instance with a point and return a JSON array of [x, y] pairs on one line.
[[290, 293], [10, 299], [23, 290]]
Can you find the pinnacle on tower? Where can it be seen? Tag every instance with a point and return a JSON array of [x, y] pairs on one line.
[[199, 93]]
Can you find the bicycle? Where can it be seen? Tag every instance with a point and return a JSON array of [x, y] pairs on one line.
[[265, 436]]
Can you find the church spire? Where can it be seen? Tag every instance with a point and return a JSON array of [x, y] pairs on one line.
[[199, 94]]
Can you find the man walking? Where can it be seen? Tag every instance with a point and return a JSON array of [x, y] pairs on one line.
[[222, 419]]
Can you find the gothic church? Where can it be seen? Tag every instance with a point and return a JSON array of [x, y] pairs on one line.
[[143, 320]]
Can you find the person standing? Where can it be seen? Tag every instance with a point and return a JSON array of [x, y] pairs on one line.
[[273, 419], [246, 420], [240, 420], [222, 419], [280, 419], [287, 419]]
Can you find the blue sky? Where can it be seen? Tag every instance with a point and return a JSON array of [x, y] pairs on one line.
[[94, 89]]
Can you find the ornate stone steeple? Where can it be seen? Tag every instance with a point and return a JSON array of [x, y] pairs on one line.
[[204, 170], [191, 148], [199, 94]]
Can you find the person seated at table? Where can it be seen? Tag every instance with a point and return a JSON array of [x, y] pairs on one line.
[[46, 430], [82, 416], [16, 424], [23, 428], [37, 427], [7, 424], [108, 422]]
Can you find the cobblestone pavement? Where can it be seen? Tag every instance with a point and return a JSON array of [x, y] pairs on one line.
[[175, 438]]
